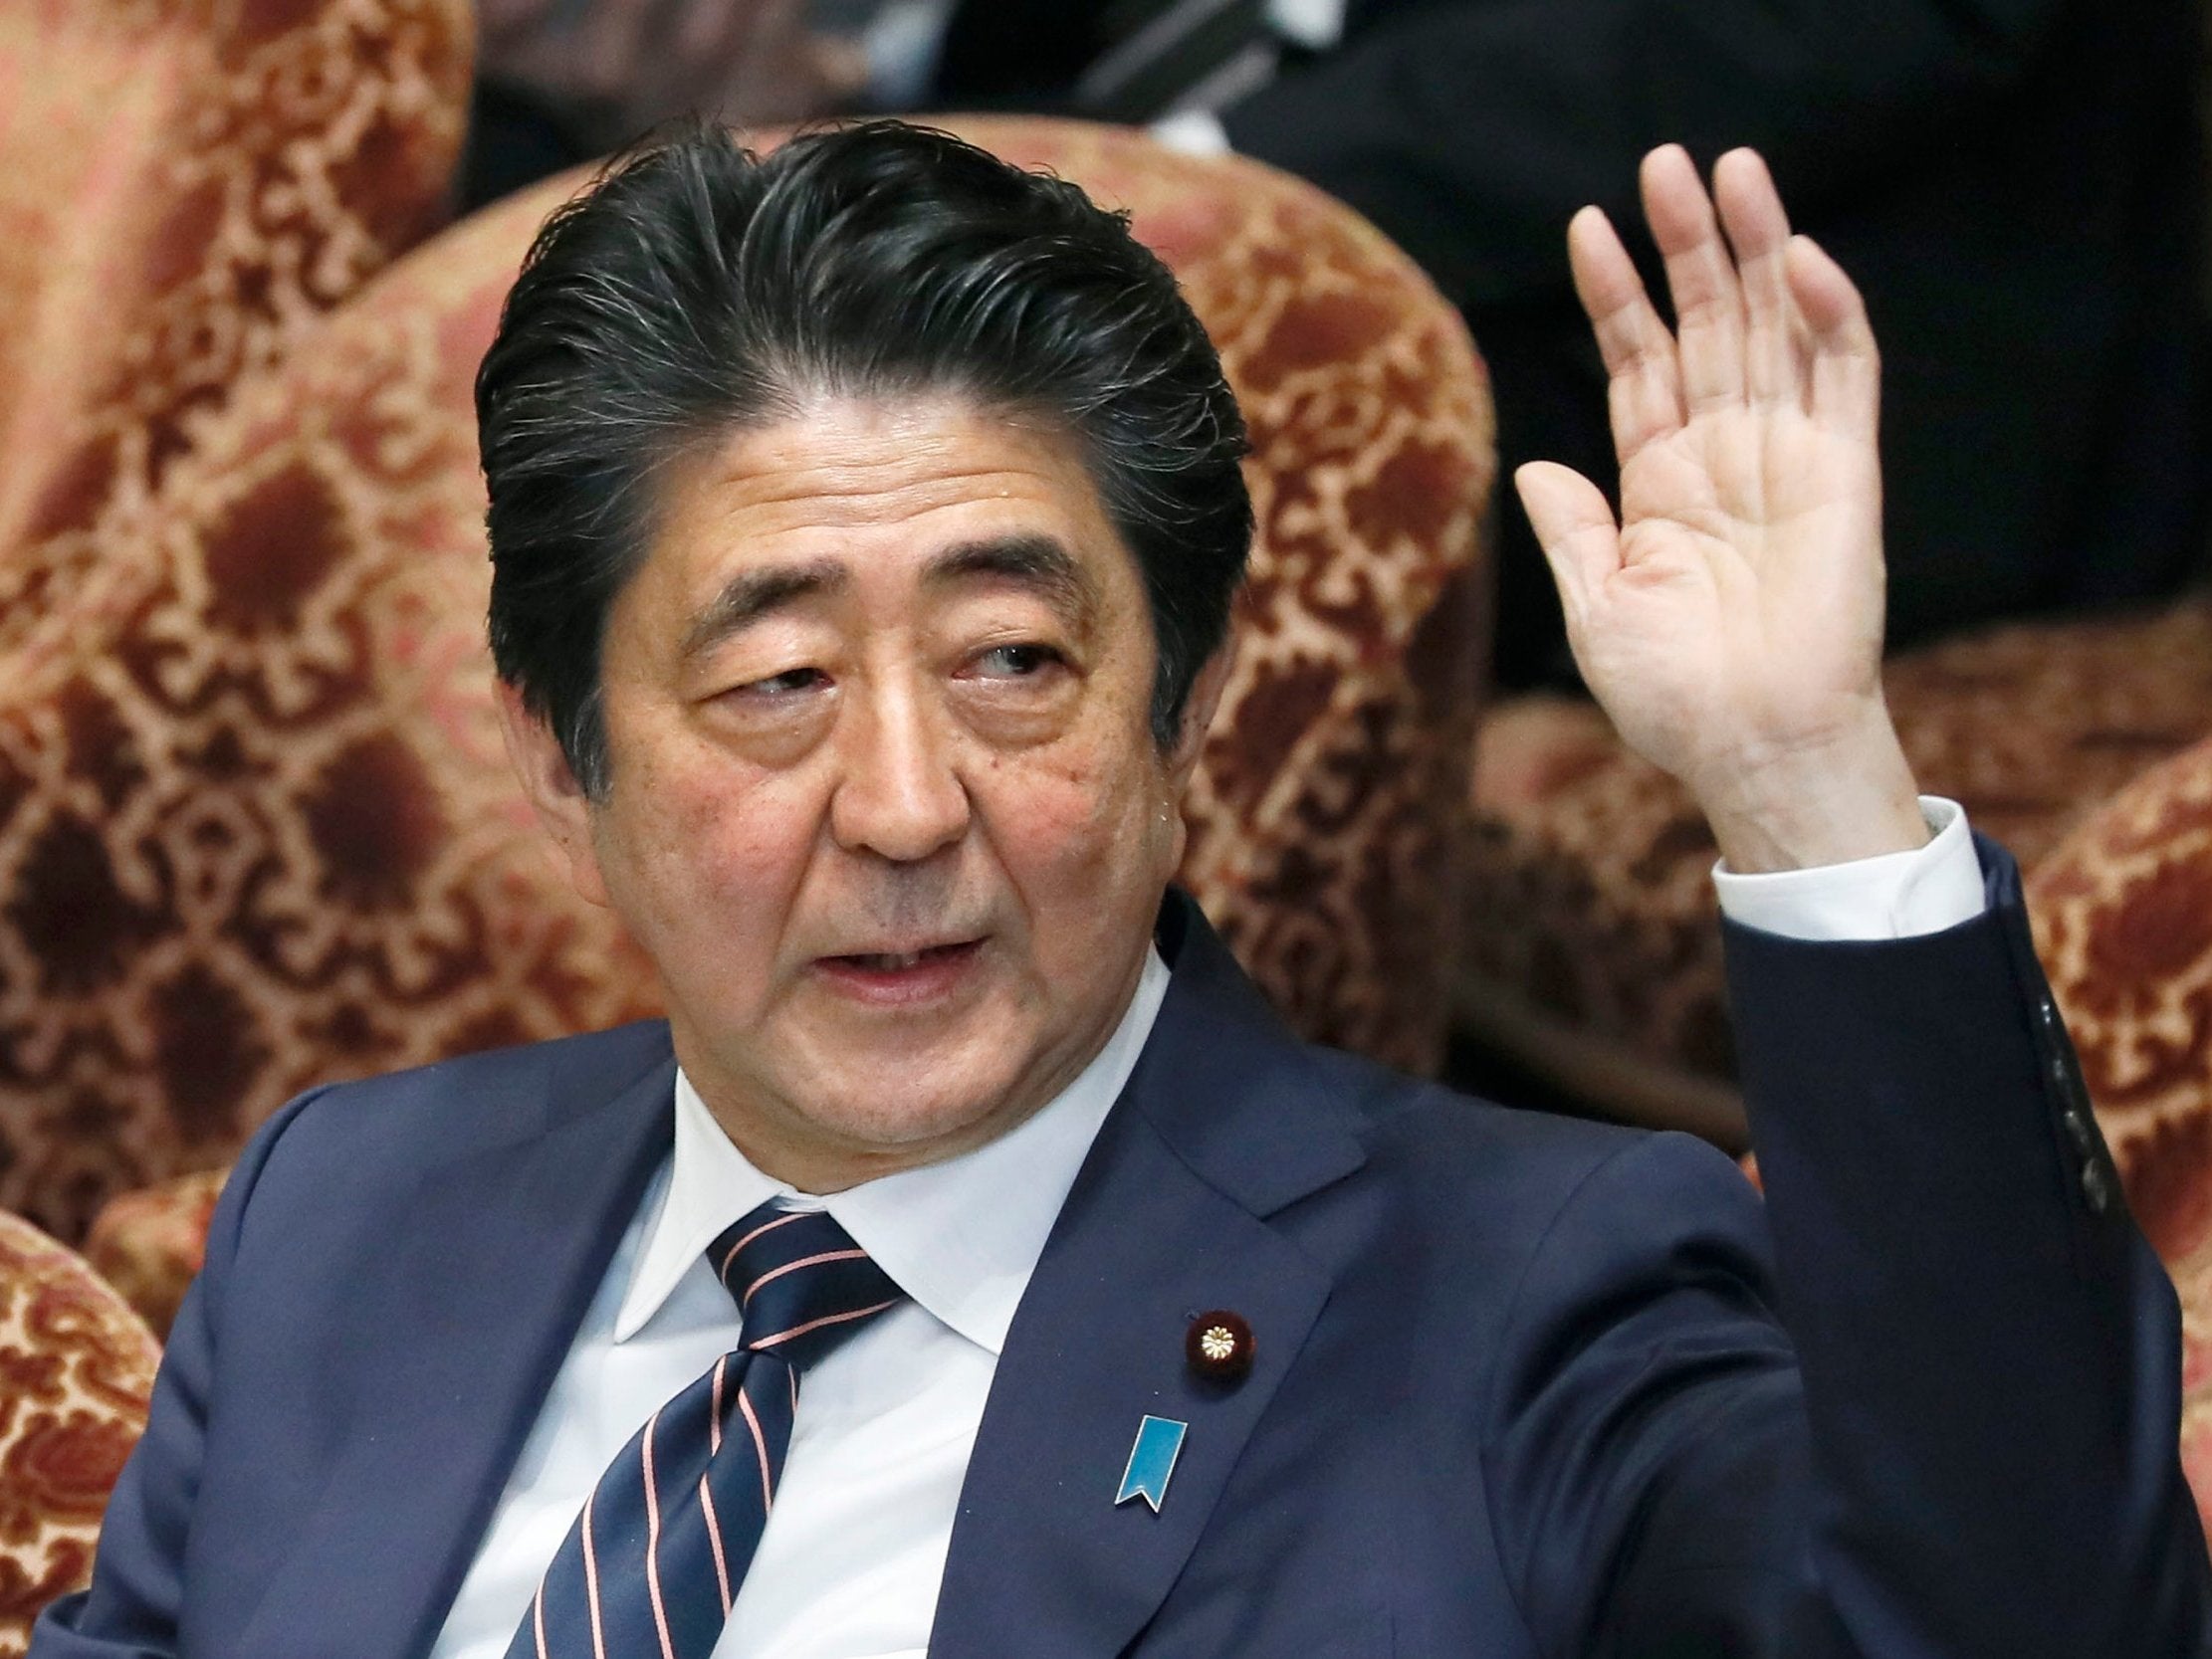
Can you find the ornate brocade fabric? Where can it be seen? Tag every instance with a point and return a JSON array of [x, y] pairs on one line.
[[76, 1374], [187, 187]]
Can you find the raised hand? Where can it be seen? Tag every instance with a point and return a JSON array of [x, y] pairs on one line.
[[1730, 622]]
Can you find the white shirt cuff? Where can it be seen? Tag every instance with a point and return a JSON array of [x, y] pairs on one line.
[[1894, 896], [1194, 133]]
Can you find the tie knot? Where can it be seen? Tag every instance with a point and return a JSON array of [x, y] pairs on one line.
[[800, 1282]]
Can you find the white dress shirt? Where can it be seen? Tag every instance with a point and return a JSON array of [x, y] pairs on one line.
[[849, 1563]]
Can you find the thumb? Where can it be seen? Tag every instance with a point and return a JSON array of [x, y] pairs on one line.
[[1575, 527]]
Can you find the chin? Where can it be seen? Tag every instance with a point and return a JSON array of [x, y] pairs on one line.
[[914, 1123], [897, 1097]]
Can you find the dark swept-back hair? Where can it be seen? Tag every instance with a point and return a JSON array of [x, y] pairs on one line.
[[698, 288]]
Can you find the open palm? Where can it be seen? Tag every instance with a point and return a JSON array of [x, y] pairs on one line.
[[1731, 621]]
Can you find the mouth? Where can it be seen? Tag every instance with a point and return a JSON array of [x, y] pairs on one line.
[[898, 961], [901, 977]]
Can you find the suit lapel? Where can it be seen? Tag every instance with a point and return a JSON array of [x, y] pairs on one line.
[[493, 1267], [1220, 1125]]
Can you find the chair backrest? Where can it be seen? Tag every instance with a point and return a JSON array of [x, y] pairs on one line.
[[265, 835], [75, 1375], [185, 186]]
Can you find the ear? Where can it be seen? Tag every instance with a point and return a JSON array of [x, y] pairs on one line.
[[1198, 712], [560, 800]]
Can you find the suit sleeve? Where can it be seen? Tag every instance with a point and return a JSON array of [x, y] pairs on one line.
[[1471, 131], [134, 1607], [1926, 1407]]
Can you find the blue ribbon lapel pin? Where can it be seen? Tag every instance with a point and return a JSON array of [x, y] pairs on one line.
[[1152, 1461]]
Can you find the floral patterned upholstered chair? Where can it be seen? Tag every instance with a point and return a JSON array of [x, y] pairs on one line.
[[311, 862], [150, 1244], [185, 190], [76, 1374]]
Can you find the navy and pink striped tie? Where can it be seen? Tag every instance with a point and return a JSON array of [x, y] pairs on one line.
[[655, 1559]]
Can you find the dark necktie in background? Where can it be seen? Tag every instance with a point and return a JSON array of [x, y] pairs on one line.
[[1171, 57], [652, 1565]]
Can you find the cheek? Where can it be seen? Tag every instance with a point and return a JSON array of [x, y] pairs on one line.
[[1086, 825], [708, 855]]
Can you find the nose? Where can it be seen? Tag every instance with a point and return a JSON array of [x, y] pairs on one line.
[[899, 794]]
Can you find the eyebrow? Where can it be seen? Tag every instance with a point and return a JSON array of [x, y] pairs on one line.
[[1036, 561], [745, 599]]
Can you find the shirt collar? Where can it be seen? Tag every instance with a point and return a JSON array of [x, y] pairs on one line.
[[959, 1237]]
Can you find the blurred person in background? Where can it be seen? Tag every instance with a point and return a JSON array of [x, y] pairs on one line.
[[560, 82], [2017, 184]]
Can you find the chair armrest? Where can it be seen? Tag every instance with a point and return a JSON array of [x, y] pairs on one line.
[[149, 1244], [75, 1375]]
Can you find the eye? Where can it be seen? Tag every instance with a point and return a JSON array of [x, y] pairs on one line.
[[789, 682], [1015, 661]]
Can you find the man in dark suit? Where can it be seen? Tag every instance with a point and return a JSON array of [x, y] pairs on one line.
[[972, 1262], [2015, 185]]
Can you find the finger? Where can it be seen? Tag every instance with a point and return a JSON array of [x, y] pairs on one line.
[[1760, 231], [1846, 367], [1575, 527], [1701, 278], [1643, 389]]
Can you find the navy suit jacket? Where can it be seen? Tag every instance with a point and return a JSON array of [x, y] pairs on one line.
[[1524, 1386]]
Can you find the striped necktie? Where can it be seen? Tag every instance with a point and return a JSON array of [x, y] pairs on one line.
[[1171, 55], [652, 1565]]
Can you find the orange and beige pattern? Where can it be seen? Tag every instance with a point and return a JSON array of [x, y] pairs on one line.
[[185, 186], [76, 1374], [1590, 925], [150, 1245], [257, 830], [2123, 918], [257, 821]]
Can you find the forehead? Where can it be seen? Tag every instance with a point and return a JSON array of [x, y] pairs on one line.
[[877, 486]]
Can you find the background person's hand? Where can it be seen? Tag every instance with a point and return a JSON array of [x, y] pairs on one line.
[[1731, 621]]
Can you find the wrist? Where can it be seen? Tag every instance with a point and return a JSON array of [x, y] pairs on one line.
[[1850, 797]]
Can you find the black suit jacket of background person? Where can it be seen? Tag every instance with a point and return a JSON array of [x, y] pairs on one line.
[[2015, 185]]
